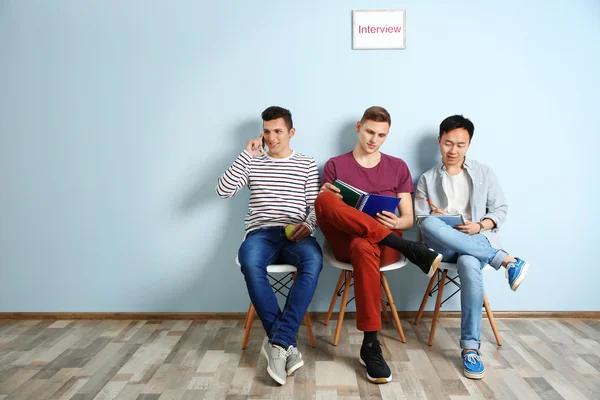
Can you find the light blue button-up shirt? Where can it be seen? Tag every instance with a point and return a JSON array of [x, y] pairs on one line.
[[487, 199]]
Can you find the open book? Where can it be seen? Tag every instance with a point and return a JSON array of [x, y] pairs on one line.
[[366, 202], [450, 219]]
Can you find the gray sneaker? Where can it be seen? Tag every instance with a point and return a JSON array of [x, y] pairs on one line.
[[294, 360], [276, 358]]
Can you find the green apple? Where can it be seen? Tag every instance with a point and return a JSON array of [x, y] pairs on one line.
[[288, 231]]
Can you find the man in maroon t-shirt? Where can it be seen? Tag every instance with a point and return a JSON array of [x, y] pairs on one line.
[[370, 243]]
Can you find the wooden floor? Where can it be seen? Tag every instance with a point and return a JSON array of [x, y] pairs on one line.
[[106, 359]]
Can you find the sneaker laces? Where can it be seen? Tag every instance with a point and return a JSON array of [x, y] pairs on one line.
[[473, 358], [291, 350], [508, 267], [281, 352], [376, 356]]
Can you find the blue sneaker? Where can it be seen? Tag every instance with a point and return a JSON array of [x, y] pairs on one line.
[[515, 272], [473, 366]]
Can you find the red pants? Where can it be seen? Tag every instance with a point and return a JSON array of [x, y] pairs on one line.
[[354, 236]]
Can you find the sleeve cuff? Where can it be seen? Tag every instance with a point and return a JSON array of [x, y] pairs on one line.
[[310, 227], [493, 218]]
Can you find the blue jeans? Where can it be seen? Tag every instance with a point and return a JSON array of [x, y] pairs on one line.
[[267, 246], [470, 253]]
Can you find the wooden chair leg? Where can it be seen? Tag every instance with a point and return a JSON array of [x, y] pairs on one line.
[[490, 316], [247, 313], [438, 304], [390, 299], [335, 296], [249, 320], [338, 328], [308, 324], [386, 315], [425, 298]]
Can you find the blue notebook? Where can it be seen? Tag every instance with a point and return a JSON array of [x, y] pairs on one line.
[[375, 203], [368, 203], [450, 219]]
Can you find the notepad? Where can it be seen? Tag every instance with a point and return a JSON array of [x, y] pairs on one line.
[[450, 219], [368, 203]]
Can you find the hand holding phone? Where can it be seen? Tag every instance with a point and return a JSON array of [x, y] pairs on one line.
[[256, 146]]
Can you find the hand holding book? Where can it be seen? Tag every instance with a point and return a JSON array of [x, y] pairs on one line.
[[470, 228], [368, 203], [328, 187], [387, 219]]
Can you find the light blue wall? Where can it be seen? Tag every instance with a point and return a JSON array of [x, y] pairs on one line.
[[117, 117]]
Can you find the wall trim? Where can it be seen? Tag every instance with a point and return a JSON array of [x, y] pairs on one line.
[[317, 316]]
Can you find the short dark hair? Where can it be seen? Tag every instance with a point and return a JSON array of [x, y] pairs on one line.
[[456, 122], [275, 112], [377, 114]]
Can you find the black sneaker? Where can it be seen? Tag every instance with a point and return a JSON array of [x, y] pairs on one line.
[[423, 257], [371, 357]]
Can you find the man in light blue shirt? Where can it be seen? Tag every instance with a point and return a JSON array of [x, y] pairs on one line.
[[459, 185]]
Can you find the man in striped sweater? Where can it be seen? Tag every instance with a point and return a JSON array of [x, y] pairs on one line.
[[283, 186]]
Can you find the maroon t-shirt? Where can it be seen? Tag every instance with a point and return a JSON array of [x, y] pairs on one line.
[[389, 177]]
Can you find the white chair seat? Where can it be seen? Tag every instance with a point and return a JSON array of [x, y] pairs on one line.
[[330, 258], [275, 268], [280, 268], [454, 267]]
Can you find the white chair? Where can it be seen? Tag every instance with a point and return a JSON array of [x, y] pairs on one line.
[[281, 286], [442, 276], [346, 277]]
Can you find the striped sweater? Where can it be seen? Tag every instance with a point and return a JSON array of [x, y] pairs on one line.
[[282, 190]]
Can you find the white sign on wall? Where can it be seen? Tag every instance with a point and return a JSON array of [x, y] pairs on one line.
[[379, 29]]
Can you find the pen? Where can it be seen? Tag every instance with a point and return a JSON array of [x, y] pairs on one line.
[[432, 205]]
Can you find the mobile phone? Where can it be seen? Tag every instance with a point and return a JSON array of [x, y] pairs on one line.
[[264, 144]]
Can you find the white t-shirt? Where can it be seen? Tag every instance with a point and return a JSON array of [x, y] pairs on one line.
[[458, 189]]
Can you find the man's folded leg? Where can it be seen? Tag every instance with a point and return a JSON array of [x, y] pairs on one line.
[[331, 210], [441, 234]]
